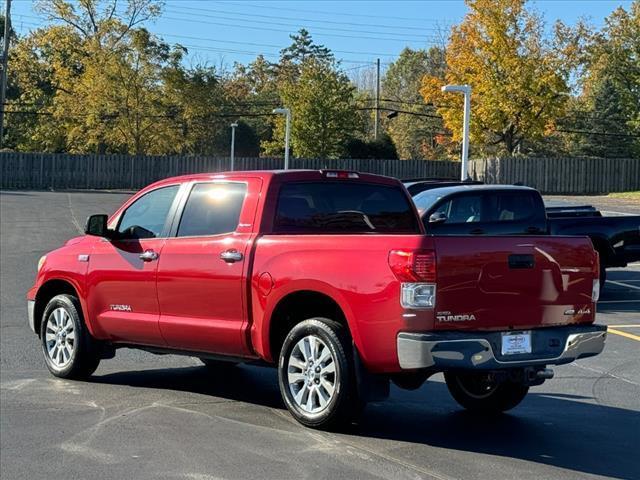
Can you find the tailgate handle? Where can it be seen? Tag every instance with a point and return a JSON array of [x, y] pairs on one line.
[[521, 261]]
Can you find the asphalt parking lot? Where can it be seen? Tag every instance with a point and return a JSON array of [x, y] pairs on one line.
[[145, 416]]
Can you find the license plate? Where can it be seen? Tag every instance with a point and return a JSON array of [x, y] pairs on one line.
[[516, 343]]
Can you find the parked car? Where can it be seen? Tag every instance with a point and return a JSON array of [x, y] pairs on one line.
[[478, 209], [329, 276]]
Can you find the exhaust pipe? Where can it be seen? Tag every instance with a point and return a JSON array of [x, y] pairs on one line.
[[544, 374]]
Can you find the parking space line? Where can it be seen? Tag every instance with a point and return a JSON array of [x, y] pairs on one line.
[[624, 326], [619, 301], [624, 334], [622, 284]]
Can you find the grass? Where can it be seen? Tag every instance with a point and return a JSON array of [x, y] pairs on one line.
[[626, 195]]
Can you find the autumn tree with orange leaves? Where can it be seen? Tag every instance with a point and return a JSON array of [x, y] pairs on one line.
[[520, 80]]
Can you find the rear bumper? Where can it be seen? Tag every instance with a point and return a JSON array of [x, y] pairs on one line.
[[481, 350]]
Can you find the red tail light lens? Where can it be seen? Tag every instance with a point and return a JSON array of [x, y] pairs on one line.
[[413, 265]]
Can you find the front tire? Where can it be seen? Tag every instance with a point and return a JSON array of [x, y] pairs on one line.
[[69, 349], [480, 392], [316, 374]]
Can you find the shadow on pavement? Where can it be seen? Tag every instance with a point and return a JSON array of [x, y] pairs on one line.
[[559, 430]]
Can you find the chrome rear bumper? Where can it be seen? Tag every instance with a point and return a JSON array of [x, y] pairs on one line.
[[480, 350]]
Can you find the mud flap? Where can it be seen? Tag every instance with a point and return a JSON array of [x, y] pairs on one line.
[[371, 387]]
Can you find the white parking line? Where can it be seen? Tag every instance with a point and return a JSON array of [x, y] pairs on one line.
[[622, 284], [619, 301], [617, 214]]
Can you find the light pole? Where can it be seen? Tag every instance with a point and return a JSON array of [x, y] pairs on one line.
[[287, 113], [233, 142], [466, 90]]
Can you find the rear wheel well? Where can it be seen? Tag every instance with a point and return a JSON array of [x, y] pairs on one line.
[[299, 306], [46, 292]]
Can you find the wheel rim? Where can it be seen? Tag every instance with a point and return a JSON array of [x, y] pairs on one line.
[[311, 374], [60, 338], [477, 386]]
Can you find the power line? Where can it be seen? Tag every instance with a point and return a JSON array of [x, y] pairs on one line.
[[333, 14], [333, 22], [297, 26], [207, 39], [251, 27], [608, 134]]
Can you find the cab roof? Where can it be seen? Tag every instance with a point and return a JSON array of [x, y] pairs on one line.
[[280, 175]]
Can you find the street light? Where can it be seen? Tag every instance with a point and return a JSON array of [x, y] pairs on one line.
[[287, 113], [466, 90], [233, 143]]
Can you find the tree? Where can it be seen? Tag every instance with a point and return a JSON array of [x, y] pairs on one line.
[[612, 82], [401, 84], [382, 148], [94, 81], [519, 79], [321, 102], [303, 48]]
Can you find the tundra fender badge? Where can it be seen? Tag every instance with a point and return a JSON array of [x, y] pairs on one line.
[[120, 308], [449, 317]]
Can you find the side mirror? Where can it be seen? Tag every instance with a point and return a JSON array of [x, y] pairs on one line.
[[96, 225], [437, 217]]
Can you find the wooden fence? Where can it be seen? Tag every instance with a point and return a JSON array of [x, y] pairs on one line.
[[62, 171], [550, 175], [576, 175]]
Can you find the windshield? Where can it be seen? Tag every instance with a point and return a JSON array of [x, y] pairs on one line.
[[425, 200]]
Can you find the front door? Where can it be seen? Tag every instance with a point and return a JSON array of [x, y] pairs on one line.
[[121, 282], [202, 273]]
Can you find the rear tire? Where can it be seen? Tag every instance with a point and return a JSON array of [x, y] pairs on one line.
[[69, 349], [478, 392], [316, 374]]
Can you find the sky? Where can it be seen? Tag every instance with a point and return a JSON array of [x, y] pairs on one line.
[[219, 33]]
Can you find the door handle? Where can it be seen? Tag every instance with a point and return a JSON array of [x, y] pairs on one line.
[[148, 256], [521, 261], [231, 256]]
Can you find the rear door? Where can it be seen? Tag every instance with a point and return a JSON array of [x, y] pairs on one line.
[[513, 282], [203, 268]]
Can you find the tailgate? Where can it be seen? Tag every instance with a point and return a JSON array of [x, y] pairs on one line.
[[503, 283]]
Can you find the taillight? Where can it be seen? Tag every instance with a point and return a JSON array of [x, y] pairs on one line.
[[416, 270], [413, 265]]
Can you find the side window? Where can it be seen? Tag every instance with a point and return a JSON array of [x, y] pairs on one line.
[[212, 209], [145, 218], [514, 206], [462, 209]]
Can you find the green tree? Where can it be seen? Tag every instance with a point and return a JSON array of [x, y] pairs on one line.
[[612, 82], [412, 134], [324, 118]]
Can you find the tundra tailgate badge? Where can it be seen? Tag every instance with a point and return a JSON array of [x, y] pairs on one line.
[[449, 317]]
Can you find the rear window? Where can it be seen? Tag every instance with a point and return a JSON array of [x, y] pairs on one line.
[[343, 207], [513, 206]]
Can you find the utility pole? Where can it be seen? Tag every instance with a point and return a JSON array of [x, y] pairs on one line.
[[5, 61], [233, 143], [377, 119]]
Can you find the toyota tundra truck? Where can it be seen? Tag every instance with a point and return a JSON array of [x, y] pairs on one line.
[[327, 275]]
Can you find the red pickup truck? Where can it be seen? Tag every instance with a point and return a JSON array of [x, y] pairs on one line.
[[327, 274]]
